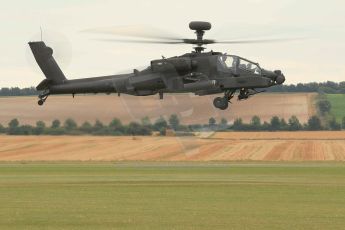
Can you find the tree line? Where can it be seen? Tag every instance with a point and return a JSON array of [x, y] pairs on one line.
[[322, 87], [314, 123], [329, 87], [16, 91], [70, 127], [146, 128]]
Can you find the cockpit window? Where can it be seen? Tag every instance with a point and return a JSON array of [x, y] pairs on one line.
[[228, 63], [249, 66]]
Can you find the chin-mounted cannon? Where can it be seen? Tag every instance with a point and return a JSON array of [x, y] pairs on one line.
[[280, 78]]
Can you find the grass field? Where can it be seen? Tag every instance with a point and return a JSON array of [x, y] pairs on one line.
[[338, 105], [172, 196]]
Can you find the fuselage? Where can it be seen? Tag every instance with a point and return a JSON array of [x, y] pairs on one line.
[[199, 73]]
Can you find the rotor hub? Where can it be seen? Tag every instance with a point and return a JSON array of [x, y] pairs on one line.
[[200, 27]]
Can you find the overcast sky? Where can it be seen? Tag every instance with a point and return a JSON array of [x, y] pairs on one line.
[[319, 58]]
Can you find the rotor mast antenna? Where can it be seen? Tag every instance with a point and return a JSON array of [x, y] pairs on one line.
[[41, 33], [200, 28]]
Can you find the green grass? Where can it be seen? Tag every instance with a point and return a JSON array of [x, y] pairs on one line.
[[172, 196], [338, 105]]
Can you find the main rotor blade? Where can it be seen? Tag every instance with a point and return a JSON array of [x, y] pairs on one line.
[[135, 31], [195, 42], [153, 35], [269, 40], [140, 41]]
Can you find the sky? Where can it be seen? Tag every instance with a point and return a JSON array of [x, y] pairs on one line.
[[319, 57]]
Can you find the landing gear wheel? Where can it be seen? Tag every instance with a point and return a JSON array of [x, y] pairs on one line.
[[40, 102], [224, 105], [244, 94], [221, 103]]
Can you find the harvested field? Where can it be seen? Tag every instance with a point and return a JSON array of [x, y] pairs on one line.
[[191, 109], [279, 146], [323, 135]]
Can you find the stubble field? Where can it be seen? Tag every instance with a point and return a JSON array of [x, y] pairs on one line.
[[227, 146]]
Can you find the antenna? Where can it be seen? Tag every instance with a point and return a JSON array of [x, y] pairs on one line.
[[41, 33]]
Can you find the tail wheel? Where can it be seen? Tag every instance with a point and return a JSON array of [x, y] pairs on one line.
[[42, 98]]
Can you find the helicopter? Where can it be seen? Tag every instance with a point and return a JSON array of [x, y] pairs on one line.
[[198, 72]]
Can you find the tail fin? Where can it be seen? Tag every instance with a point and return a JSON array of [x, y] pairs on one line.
[[44, 58]]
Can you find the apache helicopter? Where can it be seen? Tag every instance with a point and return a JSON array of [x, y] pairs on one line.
[[198, 72]]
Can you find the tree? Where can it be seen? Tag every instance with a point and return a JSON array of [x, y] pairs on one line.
[[115, 124], [314, 123], [195, 127], [238, 124], [70, 124], [255, 123], [324, 106], [283, 124], [56, 124], [13, 124], [98, 125], [275, 123], [26, 130], [212, 122], [135, 128], [160, 124], [2, 129], [333, 124], [223, 124], [40, 126], [13, 127], [116, 127], [99, 128], [266, 126], [146, 121], [294, 124], [174, 121], [55, 129], [86, 127]]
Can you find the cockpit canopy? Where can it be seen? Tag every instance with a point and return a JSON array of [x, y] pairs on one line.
[[236, 64]]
